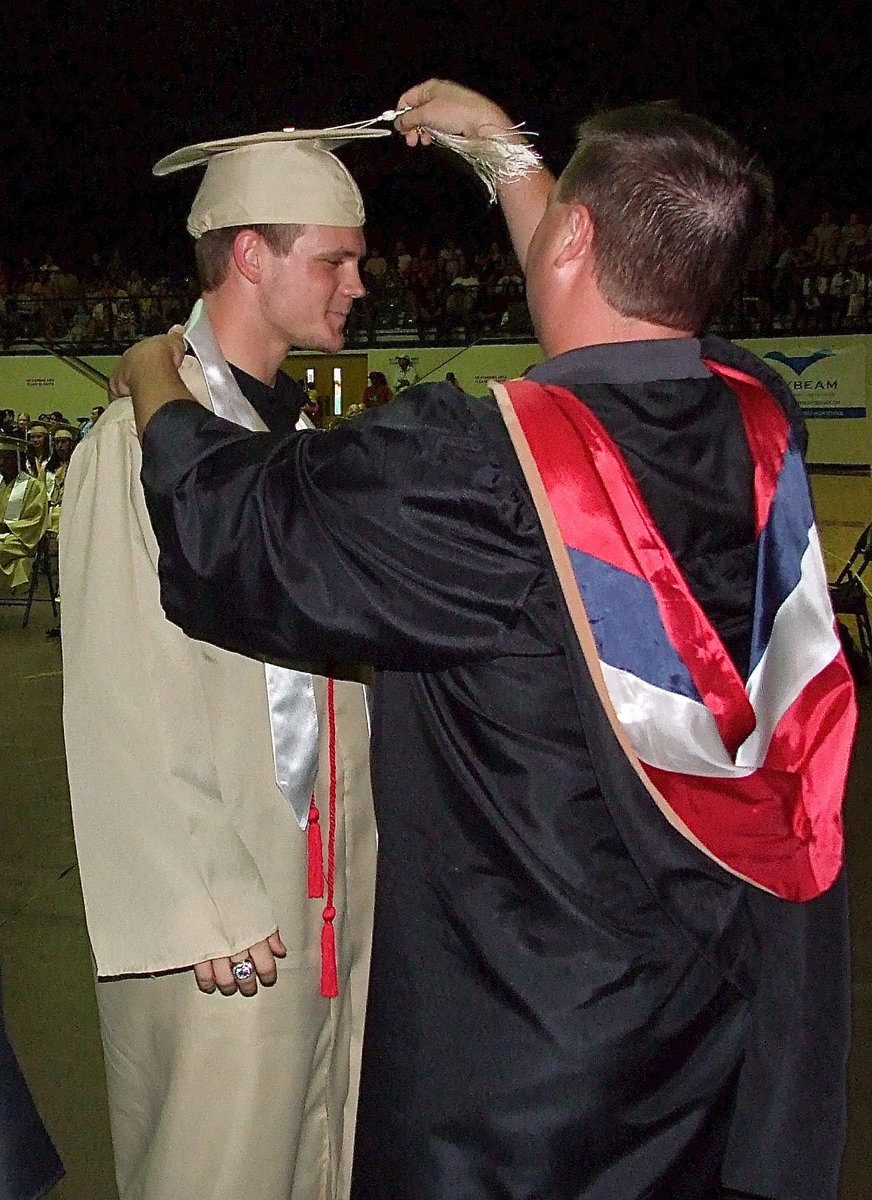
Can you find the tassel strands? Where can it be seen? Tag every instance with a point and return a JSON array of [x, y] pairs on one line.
[[496, 160]]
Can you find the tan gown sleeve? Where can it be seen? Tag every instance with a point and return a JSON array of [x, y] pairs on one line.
[[166, 877]]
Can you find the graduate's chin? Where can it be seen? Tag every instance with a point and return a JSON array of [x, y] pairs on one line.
[[334, 335]]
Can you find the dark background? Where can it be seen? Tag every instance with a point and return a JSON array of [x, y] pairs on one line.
[[93, 94]]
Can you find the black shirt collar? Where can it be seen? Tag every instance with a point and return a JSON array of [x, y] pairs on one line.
[[279, 406], [624, 363]]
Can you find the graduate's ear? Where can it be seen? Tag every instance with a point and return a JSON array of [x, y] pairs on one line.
[[576, 243], [247, 254]]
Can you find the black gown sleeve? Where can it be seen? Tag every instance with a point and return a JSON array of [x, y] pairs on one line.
[[399, 540], [29, 1165]]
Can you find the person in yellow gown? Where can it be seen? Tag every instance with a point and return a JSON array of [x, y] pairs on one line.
[[23, 515]]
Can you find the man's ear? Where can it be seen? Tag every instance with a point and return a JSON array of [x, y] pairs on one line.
[[577, 241], [247, 253]]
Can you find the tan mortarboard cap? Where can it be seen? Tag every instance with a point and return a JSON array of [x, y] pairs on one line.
[[10, 443], [284, 178]]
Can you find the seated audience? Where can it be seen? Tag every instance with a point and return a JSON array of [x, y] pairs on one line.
[[853, 237], [406, 375], [374, 270], [377, 393], [825, 239], [96, 413], [451, 293]]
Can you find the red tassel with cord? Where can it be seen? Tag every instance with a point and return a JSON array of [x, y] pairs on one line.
[[329, 973], [315, 852]]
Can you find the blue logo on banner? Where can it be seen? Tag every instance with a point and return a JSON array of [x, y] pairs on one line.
[[799, 363]]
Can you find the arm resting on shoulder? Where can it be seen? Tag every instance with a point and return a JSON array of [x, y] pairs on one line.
[[398, 540]]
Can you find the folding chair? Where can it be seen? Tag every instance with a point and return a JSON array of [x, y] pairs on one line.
[[850, 596]]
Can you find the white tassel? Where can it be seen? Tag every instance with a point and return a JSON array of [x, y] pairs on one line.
[[494, 159]]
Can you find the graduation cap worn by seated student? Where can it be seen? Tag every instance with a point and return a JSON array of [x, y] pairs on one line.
[[12, 443], [10, 446]]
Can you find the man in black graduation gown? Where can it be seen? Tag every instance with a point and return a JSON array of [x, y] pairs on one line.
[[29, 1165], [569, 999]]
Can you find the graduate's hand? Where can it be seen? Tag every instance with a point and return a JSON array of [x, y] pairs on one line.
[[149, 373], [218, 972], [449, 108]]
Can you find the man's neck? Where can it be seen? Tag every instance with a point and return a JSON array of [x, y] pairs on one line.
[[598, 333], [242, 338]]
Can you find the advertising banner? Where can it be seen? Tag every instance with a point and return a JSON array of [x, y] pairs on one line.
[[826, 375], [829, 376], [830, 379]]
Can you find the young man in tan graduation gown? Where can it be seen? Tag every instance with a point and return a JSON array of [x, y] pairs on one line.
[[196, 866]]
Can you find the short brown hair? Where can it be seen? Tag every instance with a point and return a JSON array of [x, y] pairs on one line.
[[212, 250], [676, 205]]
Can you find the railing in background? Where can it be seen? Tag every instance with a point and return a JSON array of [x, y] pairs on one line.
[[770, 303]]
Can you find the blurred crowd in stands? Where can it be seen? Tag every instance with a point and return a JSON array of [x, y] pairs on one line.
[[818, 282], [98, 308]]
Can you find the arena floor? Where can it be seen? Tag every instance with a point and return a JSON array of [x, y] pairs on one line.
[[46, 964]]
